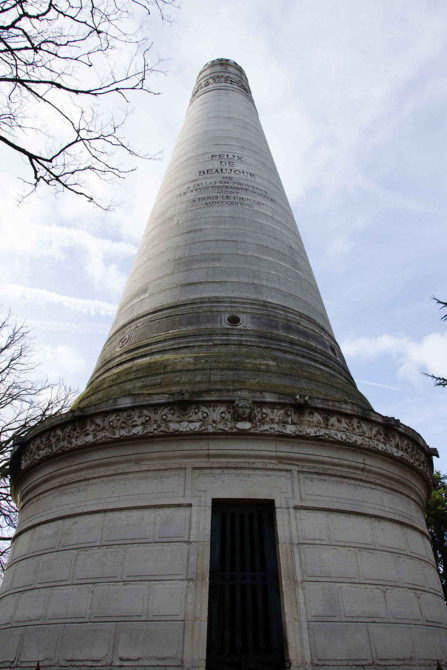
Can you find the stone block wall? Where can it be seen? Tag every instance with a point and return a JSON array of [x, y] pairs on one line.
[[369, 604], [111, 570]]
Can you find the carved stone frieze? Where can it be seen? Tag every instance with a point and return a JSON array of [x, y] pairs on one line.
[[246, 416], [221, 79]]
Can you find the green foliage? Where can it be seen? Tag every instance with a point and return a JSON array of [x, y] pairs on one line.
[[436, 517]]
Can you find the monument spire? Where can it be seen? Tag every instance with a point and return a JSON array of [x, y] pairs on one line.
[[221, 496], [221, 300]]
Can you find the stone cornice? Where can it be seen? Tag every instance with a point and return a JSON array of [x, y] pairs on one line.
[[218, 80], [244, 416]]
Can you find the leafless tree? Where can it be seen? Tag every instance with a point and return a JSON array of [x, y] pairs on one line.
[[58, 60], [440, 381], [23, 404]]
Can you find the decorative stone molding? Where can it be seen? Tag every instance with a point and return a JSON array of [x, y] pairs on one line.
[[378, 434], [221, 79]]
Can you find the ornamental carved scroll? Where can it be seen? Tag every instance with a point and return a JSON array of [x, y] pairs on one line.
[[246, 416], [221, 79]]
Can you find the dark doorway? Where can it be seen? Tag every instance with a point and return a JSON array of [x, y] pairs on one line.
[[244, 610]]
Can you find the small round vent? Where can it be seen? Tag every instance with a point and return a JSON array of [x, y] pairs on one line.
[[233, 320], [123, 341]]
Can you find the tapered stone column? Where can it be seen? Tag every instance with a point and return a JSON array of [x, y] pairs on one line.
[[221, 384], [221, 298]]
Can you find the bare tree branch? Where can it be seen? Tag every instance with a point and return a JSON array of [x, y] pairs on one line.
[[442, 305], [439, 381], [24, 403], [58, 58]]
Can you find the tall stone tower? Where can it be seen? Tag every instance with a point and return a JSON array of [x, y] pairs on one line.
[[221, 495]]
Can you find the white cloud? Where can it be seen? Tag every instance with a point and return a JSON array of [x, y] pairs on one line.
[[338, 248], [69, 327], [41, 296], [59, 242], [412, 357], [381, 386], [406, 202], [349, 79], [60, 362], [370, 347]]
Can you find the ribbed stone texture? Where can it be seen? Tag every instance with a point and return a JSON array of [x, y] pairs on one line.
[[220, 381], [221, 298], [110, 565]]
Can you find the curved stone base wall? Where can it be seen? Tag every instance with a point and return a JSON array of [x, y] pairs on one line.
[[110, 564]]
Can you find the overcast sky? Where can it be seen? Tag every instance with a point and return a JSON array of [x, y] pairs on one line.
[[352, 95]]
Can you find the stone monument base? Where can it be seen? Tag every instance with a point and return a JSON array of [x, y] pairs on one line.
[[110, 565]]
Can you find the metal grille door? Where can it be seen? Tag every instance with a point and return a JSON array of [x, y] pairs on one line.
[[244, 611]]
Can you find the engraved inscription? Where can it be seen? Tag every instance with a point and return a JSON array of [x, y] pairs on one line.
[[228, 170], [227, 159], [226, 183]]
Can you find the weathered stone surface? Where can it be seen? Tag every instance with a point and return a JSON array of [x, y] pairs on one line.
[[370, 432], [110, 562], [351, 539], [221, 298]]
